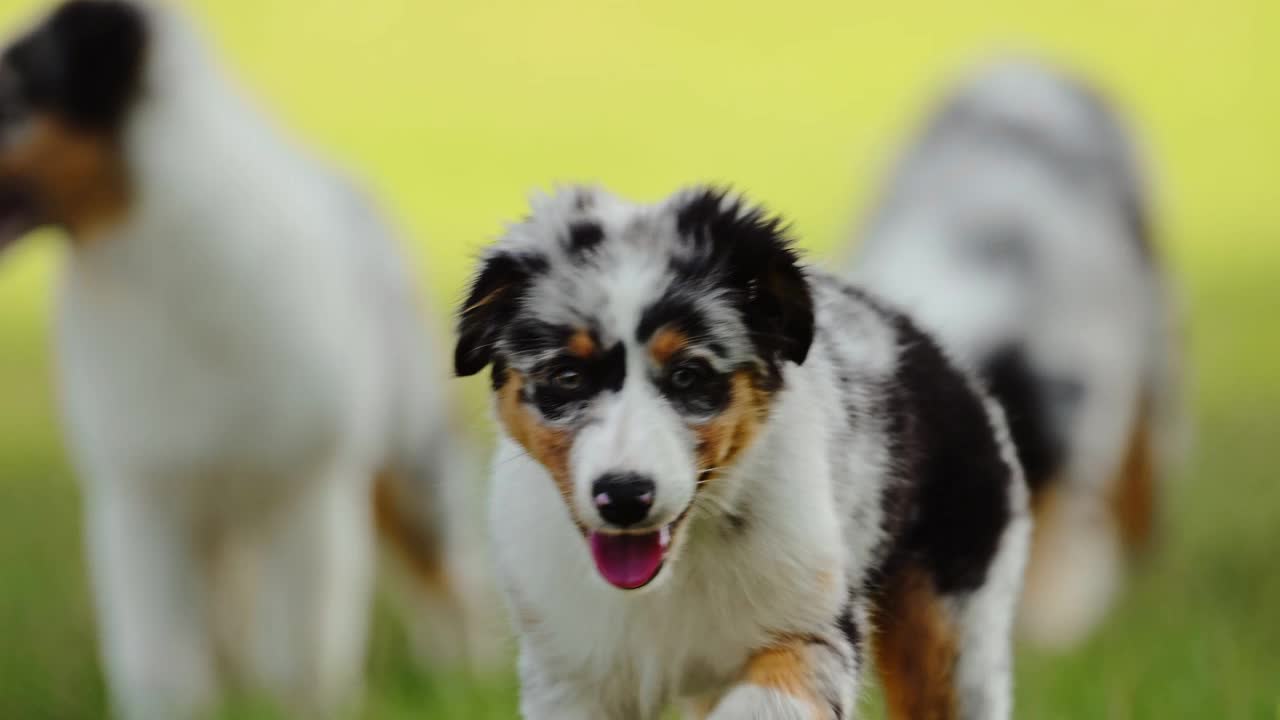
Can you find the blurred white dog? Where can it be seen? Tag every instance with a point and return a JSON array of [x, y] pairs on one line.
[[1017, 227], [239, 356]]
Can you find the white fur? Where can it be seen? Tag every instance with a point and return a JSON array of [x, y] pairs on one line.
[[812, 489], [236, 359], [1072, 289]]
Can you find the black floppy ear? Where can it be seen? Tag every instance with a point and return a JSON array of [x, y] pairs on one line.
[[780, 310], [84, 61], [753, 250], [490, 304]]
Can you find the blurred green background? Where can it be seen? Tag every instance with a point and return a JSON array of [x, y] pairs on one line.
[[455, 110]]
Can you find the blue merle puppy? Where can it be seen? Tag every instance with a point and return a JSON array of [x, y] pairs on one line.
[[723, 478]]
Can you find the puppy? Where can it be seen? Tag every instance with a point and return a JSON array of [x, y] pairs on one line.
[[1017, 229], [238, 355], [725, 479]]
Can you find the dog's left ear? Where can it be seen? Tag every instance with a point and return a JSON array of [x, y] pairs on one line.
[[84, 62], [491, 302], [752, 248]]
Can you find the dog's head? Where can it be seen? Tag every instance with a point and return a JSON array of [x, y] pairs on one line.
[[635, 352], [65, 89]]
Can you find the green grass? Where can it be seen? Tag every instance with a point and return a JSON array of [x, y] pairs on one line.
[[454, 110]]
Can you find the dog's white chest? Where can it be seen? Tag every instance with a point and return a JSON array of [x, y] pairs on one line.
[[206, 364], [688, 635]]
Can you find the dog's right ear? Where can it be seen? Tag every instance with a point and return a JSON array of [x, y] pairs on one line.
[[492, 301]]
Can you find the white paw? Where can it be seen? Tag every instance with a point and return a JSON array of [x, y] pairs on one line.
[[752, 702]]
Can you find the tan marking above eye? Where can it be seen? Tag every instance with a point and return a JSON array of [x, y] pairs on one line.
[[581, 345], [79, 176], [665, 343]]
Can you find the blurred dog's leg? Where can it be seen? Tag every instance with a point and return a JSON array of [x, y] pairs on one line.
[[1135, 493], [309, 618], [149, 571], [440, 575], [985, 618], [432, 612], [1076, 568]]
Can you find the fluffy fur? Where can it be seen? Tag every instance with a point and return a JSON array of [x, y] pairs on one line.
[[1017, 228], [239, 353], [830, 483]]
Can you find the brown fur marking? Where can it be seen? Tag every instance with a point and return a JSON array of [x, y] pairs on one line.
[[549, 446], [1048, 522], [784, 668], [723, 439], [825, 581], [78, 176], [1133, 498], [665, 343], [916, 648], [581, 345], [420, 551], [701, 708]]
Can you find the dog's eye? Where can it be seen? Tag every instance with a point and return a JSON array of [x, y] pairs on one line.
[[683, 378], [567, 380], [686, 376]]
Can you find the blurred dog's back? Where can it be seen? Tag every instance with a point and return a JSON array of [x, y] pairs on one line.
[[1018, 228]]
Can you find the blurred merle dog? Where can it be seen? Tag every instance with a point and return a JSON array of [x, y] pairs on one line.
[[239, 353], [722, 477], [1017, 229]]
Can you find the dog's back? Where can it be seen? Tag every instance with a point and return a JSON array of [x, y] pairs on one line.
[[1017, 228]]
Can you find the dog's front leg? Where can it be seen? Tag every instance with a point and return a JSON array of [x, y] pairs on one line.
[[152, 593], [543, 696], [796, 678]]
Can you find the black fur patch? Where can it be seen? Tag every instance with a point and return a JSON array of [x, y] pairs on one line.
[[709, 394], [749, 252], [491, 304], [584, 237], [84, 63], [1012, 382], [674, 312], [848, 625], [536, 336], [954, 500], [604, 372]]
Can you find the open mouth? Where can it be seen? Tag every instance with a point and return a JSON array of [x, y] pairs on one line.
[[632, 560], [18, 214]]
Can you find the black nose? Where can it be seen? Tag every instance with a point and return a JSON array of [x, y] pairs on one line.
[[623, 499]]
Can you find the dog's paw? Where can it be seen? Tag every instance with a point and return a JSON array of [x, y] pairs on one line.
[[752, 702]]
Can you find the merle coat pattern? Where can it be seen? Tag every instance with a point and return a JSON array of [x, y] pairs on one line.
[[1017, 227], [808, 477]]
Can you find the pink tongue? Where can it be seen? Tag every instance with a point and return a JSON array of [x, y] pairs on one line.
[[627, 561]]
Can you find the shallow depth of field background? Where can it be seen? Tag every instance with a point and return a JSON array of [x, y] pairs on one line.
[[454, 110]]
